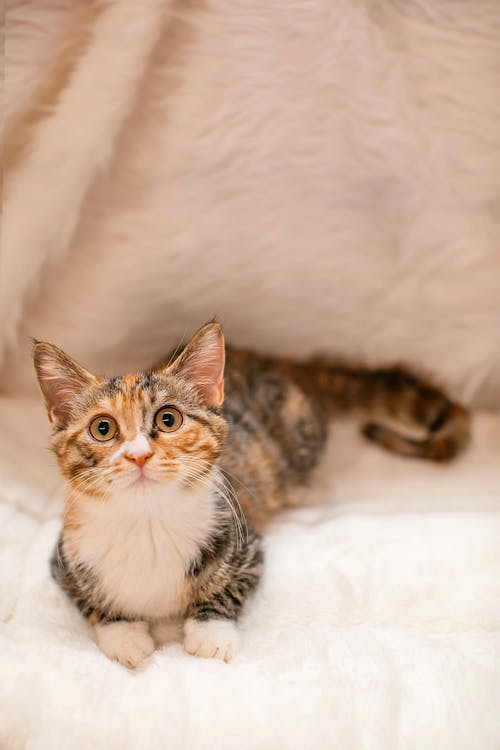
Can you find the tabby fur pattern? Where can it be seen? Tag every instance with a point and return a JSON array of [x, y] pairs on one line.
[[159, 525]]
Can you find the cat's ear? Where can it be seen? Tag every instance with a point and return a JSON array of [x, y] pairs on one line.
[[202, 364], [61, 380]]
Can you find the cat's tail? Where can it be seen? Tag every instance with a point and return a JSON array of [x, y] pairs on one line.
[[394, 395]]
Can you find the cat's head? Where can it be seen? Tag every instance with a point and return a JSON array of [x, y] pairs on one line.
[[158, 426]]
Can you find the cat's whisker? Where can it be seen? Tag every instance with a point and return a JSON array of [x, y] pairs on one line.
[[90, 479], [228, 495], [89, 482], [228, 488], [237, 479]]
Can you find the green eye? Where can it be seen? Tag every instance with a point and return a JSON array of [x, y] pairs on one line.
[[103, 428], [168, 419]]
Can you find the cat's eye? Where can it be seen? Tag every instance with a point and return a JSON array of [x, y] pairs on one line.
[[168, 419], [103, 428]]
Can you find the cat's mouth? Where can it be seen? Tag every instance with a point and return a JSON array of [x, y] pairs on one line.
[[142, 479]]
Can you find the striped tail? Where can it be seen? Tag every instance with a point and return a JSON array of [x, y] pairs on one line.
[[391, 394]]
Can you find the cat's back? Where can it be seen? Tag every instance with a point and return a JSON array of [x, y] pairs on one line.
[[276, 433], [262, 400]]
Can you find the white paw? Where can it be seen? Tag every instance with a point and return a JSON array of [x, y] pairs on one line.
[[165, 631], [216, 639], [126, 642]]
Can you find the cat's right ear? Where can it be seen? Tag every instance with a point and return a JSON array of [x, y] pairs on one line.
[[61, 380]]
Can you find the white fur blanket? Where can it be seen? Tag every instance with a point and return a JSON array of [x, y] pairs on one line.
[[377, 624], [324, 176]]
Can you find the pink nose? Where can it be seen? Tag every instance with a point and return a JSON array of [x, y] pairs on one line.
[[139, 458]]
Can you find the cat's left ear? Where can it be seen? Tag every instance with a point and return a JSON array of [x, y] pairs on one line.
[[202, 364]]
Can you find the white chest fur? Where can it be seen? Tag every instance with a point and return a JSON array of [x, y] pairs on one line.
[[141, 543]]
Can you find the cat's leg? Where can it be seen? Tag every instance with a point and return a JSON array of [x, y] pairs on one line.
[[121, 640], [221, 591], [129, 643], [215, 638]]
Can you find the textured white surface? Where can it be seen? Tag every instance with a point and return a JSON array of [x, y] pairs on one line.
[[377, 624], [322, 174]]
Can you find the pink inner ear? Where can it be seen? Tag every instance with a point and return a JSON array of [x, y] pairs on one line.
[[61, 394], [202, 363], [208, 378], [61, 380]]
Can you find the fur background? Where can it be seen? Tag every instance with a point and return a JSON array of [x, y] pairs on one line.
[[324, 175]]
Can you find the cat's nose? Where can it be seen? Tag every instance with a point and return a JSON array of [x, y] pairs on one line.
[[139, 458]]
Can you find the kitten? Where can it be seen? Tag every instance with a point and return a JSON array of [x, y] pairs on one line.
[[167, 479]]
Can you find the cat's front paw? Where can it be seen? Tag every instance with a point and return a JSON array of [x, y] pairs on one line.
[[217, 639], [166, 631], [126, 642]]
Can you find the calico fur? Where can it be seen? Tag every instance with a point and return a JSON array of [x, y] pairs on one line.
[[160, 527], [279, 413]]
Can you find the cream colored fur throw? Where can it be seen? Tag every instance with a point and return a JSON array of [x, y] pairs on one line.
[[324, 175]]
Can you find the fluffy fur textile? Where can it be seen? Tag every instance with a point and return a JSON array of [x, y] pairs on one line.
[[376, 624], [321, 175], [324, 176]]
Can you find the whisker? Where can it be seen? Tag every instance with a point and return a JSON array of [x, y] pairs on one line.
[[230, 489], [226, 492]]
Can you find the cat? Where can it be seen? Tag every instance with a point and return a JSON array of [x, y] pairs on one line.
[[172, 472]]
